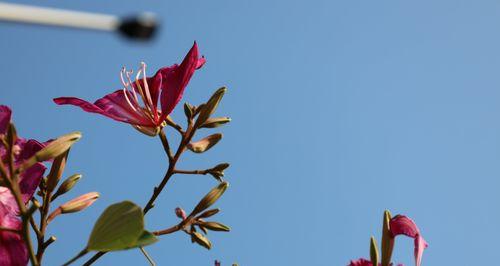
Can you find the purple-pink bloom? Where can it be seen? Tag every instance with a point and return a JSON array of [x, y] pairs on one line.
[[12, 248], [364, 262], [402, 225], [123, 105]]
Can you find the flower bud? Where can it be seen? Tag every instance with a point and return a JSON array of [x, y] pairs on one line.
[[201, 240], [205, 143], [215, 122], [215, 226], [75, 205], [209, 108], [53, 149], [188, 110], [56, 171], [208, 213], [387, 240], [148, 131], [11, 135], [180, 213], [79, 203], [218, 171], [67, 185], [210, 198], [373, 251]]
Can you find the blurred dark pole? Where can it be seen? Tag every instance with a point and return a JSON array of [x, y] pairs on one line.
[[141, 27]]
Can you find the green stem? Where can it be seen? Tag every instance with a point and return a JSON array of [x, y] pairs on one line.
[[79, 255], [150, 260], [186, 138]]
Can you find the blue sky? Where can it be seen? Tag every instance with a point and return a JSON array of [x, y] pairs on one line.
[[341, 109]]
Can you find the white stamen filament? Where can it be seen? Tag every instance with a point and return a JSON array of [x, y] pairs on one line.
[[146, 89], [125, 92]]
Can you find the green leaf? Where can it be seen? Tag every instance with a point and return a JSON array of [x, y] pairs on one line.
[[120, 226], [145, 239]]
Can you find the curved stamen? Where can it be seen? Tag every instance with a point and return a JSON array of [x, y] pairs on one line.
[[146, 89], [131, 84], [125, 92], [125, 84]]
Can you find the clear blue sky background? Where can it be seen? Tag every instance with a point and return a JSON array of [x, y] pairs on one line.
[[340, 109]]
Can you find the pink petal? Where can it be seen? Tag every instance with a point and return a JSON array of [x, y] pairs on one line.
[[420, 245], [176, 78], [360, 262], [114, 106], [5, 116], [7, 201], [28, 148], [30, 179], [402, 225], [200, 62], [13, 251]]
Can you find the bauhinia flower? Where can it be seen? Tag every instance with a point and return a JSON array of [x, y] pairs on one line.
[[364, 262], [123, 105], [402, 225], [12, 248]]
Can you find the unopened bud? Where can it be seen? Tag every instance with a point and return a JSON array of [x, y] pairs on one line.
[[56, 171], [210, 198], [387, 239], [210, 107], [180, 213], [205, 143], [149, 131], [208, 213], [67, 185], [201, 240], [75, 205], [215, 122], [188, 110], [374, 257], [218, 171], [215, 226], [53, 149]]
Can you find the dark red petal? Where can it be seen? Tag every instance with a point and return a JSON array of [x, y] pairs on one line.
[[29, 148], [13, 251], [113, 105], [360, 262], [201, 62], [5, 116], [30, 179], [176, 78], [402, 225]]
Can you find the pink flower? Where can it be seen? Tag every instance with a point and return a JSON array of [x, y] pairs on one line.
[[364, 262], [360, 262], [123, 105], [12, 248], [402, 225]]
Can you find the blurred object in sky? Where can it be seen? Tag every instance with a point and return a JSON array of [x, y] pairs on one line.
[[139, 27]]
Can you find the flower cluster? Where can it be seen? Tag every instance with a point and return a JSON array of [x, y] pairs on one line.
[[143, 102]]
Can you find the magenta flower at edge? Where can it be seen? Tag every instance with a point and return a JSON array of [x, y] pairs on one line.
[[402, 225], [364, 262], [12, 248], [123, 105]]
